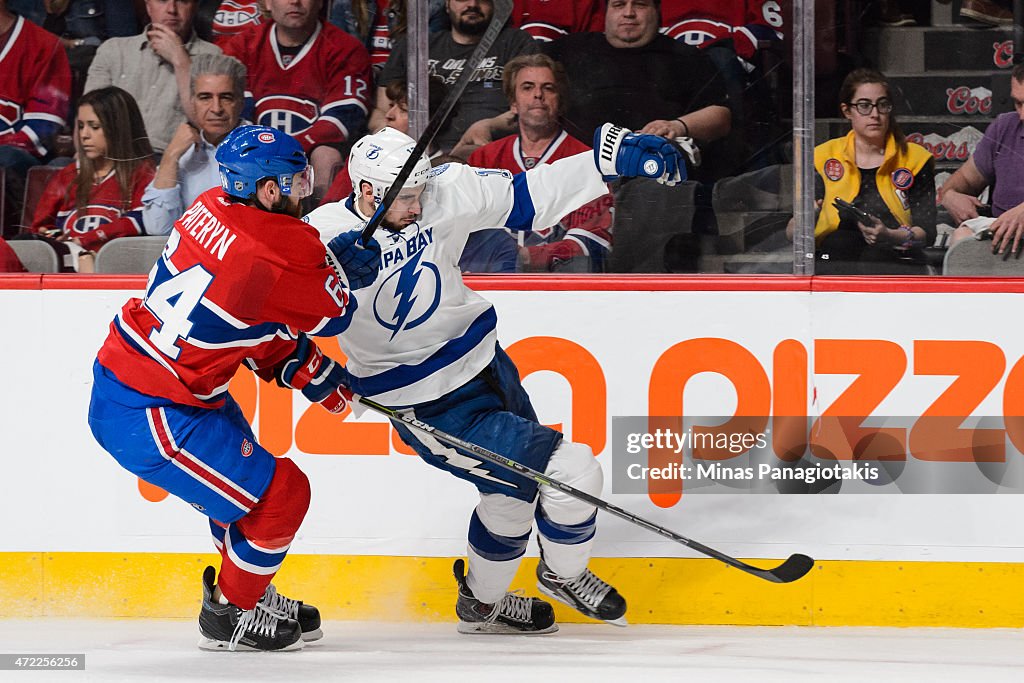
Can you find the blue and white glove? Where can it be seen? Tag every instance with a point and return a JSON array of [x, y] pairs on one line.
[[359, 263], [619, 152]]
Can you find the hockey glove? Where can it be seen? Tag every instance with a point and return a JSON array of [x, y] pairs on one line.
[[319, 378], [359, 263], [619, 152]]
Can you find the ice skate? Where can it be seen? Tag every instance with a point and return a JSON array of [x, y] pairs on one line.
[[586, 593], [307, 615], [513, 614], [229, 627]]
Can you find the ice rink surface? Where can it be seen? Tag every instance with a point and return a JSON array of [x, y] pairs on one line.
[[153, 650]]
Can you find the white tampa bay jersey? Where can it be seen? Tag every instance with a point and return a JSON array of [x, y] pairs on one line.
[[419, 332]]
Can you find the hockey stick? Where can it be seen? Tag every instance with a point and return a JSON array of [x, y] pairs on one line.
[[792, 569], [502, 11]]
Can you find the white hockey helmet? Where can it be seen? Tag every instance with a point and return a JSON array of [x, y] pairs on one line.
[[378, 158]]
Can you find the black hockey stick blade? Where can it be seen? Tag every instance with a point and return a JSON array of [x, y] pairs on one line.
[[502, 11], [792, 569], [795, 567]]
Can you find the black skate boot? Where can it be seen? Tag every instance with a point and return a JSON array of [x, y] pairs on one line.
[[513, 614], [228, 627], [307, 615], [586, 593]]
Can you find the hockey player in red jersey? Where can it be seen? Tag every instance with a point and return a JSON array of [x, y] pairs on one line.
[[239, 277], [310, 79]]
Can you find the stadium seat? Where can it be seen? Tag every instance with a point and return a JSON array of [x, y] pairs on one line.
[[746, 204], [126, 255], [37, 256], [975, 257], [647, 217], [35, 183]]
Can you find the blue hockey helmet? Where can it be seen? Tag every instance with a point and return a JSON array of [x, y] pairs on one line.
[[251, 153]]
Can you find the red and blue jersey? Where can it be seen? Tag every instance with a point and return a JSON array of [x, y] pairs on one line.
[[700, 23], [586, 230], [233, 17], [551, 19], [233, 285], [318, 96], [35, 84], [107, 214]]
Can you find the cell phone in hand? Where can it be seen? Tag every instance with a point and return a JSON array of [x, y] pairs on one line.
[[848, 211]]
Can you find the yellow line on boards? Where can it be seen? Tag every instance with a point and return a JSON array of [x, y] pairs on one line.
[[658, 590]]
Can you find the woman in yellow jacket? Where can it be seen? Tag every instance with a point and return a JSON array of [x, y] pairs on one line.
[[878, 171]]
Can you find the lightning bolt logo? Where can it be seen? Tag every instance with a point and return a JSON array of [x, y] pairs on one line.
[[405, 296]]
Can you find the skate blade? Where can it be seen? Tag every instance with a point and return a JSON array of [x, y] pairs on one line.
[[212, 645], [310, 636], [488, 629], [620, 622]]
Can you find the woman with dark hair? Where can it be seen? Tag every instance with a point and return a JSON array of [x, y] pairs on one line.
[[889, 180], [99, 197]]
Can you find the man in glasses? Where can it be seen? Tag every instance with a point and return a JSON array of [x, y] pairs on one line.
[[996, 162], [239, 276]]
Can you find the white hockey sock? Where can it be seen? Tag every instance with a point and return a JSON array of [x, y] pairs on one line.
[[567, 561], [489, 580]]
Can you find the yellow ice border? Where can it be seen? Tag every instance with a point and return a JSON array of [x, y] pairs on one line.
[[659, 590]]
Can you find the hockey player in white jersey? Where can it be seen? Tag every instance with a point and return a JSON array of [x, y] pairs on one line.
[[421, 339]]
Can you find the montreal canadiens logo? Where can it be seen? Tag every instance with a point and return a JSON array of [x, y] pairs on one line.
[[246, 448], [902, 178], [834, 169], [91, 218], [291, 115], [265, 137], [10, 114]]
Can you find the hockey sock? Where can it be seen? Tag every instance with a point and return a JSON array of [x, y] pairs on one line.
[[493, 560], [566, 547], [256, 545]]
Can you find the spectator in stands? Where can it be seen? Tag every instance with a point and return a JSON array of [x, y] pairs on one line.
[[640, 79], [877, 170], [83, 25], [379, 23], [449, 51], [536, 87], [308, 79], [737, 35], [188, 167], [634, 76], [996, 163], [99, 198], [397, 117], [547, 21], [154, 66], [35, 82], [742, 27]]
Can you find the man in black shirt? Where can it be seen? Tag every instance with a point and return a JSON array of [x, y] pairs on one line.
[[641, 79]]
